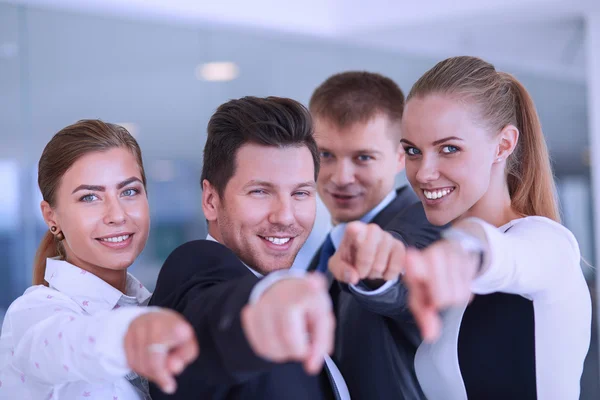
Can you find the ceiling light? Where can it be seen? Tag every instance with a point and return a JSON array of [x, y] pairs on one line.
[[217, 71]]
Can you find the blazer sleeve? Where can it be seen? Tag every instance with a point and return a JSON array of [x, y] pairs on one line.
[[209, 285]]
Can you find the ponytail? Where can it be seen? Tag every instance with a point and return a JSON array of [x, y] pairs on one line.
[[49, 247], [530, 179]]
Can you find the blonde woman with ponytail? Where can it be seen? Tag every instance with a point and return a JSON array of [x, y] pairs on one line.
[[501, 300], [81, 330]]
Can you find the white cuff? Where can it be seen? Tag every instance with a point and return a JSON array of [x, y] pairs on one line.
[[271, 279], [115, 359], [387, 285]]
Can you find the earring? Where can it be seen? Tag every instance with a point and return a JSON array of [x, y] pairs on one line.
[[59, 236]]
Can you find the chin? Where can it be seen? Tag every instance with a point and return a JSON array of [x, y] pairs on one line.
[[437, 218], [119, 265]]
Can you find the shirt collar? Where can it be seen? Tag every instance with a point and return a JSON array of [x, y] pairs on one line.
[[337, 233], [89, 291], [257, 274]]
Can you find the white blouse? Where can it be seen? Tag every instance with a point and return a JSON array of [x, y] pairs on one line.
[[539, 260], [65, 341]]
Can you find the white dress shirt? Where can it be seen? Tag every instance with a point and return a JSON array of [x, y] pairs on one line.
[[65, 341], [266, 283]]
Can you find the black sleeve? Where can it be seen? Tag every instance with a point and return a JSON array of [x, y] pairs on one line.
[[209, 285]]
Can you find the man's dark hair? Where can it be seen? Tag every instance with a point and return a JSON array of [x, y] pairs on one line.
[[269, 121], [355, 97]]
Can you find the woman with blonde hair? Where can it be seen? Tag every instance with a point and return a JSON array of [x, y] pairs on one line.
[[506, 277]]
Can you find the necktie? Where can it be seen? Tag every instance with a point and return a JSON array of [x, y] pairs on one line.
[[327, 250]]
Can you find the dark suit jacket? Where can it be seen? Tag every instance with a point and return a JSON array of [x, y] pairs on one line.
[[209, 285], [376, 336]]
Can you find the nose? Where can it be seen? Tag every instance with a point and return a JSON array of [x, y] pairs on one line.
[[282, 212], [343, 173], [115, 213], [427, 170]]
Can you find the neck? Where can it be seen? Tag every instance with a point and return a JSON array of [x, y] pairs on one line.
[[495, 207], [214, 231]]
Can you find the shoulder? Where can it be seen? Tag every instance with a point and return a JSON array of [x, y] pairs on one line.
[[198, 259], [199, 252], [545, 231], [41, 297], [413, 227]]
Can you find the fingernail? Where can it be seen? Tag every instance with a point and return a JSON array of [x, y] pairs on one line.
[[347, 276], [179, 366], [169, 388]]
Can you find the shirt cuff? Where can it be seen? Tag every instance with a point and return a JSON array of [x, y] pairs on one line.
[[270, 280], [491, 279], [364, 290], [116, 358]]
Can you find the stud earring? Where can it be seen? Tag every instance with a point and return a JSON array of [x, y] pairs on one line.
[[59, 236]]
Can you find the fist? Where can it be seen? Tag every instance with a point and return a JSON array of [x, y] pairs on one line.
[[437, 278], [159, 345], [367, 252], [292, 321]]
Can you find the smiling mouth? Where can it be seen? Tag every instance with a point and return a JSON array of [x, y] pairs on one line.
[[116, 239], [279, 241], [339, 196], [437, 194]]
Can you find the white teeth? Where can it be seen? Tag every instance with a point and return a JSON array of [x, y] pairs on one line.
[[436, 194], [116, 239], [278, 241]]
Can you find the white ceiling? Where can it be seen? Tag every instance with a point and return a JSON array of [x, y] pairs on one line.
[[540, 36]]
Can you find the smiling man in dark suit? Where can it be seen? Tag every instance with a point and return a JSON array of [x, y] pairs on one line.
[[264, 331]]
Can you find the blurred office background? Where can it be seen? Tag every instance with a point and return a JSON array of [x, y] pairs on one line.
[[161, 68]]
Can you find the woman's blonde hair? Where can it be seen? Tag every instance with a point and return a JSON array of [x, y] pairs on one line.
[[499, 99]]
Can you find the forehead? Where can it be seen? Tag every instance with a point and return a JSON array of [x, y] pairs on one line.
[[434, 117], [104, 168], [377, 132], [279, 166]]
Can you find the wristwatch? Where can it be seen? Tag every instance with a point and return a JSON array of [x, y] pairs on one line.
[[468, 242]]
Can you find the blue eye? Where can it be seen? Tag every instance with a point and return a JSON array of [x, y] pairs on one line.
[[325, 154], [364, 157], [302, 194], [258, 191], [412, 151], [449, 149], [130, 192], [88, 198]]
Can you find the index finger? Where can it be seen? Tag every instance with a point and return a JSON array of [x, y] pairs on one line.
[[366, 249], [320, 325]]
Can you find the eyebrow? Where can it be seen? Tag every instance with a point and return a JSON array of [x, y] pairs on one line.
[[97, 188], [435, 143], [360, 151], [255, 182]]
